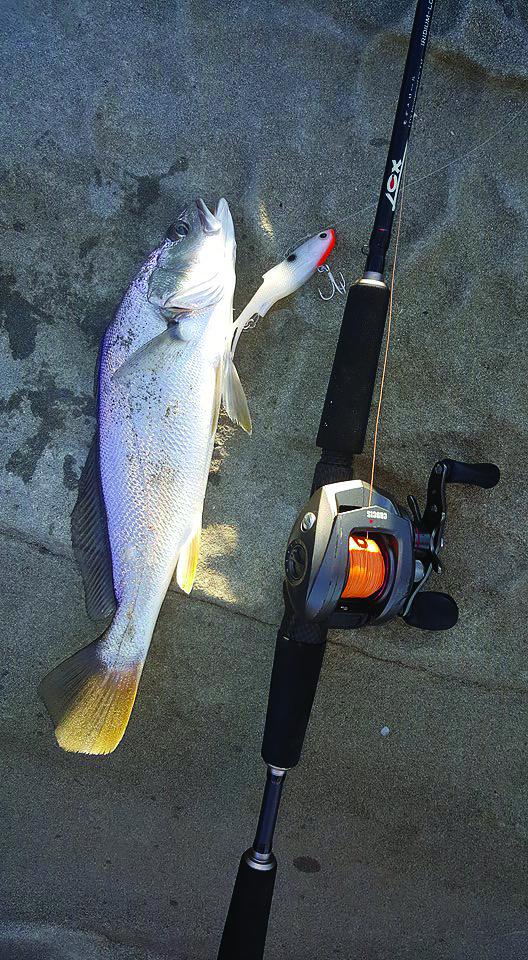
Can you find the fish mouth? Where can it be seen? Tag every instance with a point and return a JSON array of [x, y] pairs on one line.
[[207, 219], [223, 215]]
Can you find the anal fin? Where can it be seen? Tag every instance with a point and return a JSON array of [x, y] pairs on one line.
[[188, 558]]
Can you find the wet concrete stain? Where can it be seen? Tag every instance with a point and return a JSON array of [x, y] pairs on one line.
[[182, 164], [20, 318], [52, 406], [146, 194], [87, 245], [509, 8], [148, 191], [307, 864], [139, 197], [70, 476], [97, 318]]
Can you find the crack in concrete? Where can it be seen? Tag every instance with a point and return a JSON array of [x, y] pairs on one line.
[[19, 536], [416, 668]]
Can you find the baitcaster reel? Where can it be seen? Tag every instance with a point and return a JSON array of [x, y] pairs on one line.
[[353, 559]]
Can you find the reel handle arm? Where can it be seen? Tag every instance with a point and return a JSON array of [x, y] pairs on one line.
[[446, 471], [438, 611]]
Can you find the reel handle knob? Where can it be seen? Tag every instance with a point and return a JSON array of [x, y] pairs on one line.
[[432, 611], [475, 474]]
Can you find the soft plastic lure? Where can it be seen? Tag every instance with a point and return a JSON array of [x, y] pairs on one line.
[[286, 277]]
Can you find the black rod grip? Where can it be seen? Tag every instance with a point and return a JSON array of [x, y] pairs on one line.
[[476, 474], [244, 936], [349, 396], [299, 653], [332, 468]]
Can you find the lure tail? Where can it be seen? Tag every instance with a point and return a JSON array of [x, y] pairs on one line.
[[90, 701], [258, 306]]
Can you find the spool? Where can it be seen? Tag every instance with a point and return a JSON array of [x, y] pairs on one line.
[[366, 569]]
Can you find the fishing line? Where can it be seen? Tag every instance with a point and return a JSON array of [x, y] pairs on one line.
[[389, 321], [387, 342], [449, 163], [473, 149]]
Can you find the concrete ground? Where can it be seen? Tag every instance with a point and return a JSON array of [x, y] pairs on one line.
[[411, 846]]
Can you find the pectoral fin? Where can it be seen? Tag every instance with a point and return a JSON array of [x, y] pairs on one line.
[[151, 354], [188, 558], [233, 396]]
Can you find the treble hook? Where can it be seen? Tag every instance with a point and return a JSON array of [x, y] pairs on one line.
[[338, 286]]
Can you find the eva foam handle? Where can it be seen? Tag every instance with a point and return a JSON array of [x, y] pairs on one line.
[[299, 653], [476, 474], [244, 936], [349, 396]]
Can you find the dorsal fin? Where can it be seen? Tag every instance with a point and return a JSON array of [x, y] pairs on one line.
[[90, 541]]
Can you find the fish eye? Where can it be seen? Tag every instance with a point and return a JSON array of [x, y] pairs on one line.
[[178, 230], [293, 256], [323, 236]]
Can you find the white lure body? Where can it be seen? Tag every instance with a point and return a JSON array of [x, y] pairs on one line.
[[286, 277]]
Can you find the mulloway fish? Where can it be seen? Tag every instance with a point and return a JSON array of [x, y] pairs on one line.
[[165, 365]]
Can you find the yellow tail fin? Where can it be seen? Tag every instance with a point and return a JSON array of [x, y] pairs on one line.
[[90, 702]]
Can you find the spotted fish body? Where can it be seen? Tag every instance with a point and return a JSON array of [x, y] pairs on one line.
[[164, 363], [156, 430]]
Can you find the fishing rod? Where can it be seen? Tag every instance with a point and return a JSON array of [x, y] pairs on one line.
[[354, 556]]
